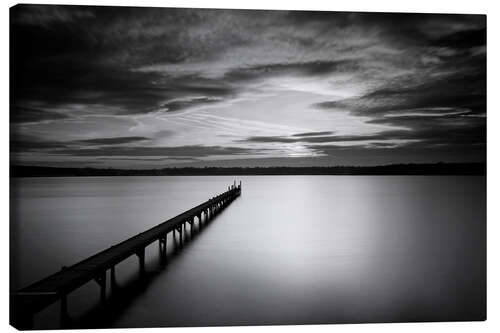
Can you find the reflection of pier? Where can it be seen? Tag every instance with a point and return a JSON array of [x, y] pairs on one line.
[[28, 301]]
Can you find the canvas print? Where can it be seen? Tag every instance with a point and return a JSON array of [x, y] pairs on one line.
[[176, 167]]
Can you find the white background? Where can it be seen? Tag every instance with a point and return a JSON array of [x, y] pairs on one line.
[[425, 6]]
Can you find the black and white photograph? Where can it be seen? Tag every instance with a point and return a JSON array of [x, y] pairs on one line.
[[196, 167]]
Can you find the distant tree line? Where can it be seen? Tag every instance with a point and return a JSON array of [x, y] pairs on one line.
[[392, 169]]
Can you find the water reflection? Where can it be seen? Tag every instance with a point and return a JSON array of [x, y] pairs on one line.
[[290, 250], [123, 294]]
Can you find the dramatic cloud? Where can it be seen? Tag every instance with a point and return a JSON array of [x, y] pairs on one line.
[[140, 87], [27, 115], [188, 103], [311, 68], [181, 151], [114, 141], [29, 144]]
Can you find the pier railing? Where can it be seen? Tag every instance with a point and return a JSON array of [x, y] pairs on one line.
[[26, 302]]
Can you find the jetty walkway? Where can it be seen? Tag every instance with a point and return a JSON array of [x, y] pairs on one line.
[[26, 302]]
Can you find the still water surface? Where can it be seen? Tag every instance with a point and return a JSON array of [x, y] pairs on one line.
[[290, 250]]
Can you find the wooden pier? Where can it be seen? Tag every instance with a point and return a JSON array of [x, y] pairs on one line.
[[28, 301]]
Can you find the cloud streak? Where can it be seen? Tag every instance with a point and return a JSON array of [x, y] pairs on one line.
[[114, 141]]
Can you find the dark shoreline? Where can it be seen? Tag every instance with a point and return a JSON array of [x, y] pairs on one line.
[[469, 169]]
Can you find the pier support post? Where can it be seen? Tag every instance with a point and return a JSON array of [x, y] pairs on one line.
[[179, 230], [112, 283], [101, 281], [163, 247], [64, 316], [142, 265], [181, 236]]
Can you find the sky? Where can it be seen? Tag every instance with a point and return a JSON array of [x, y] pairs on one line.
[[126, 87]]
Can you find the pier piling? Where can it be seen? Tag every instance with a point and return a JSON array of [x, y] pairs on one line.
[[112, 283]]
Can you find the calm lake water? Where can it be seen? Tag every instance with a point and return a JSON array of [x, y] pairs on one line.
[[289, 250]]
